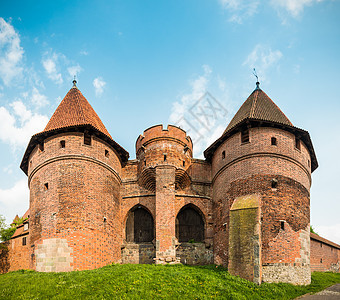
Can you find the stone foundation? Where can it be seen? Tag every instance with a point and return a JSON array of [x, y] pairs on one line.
[[281, 272], [138, 253], [195, 254], [54, 255], [335, 268], [171, 260]]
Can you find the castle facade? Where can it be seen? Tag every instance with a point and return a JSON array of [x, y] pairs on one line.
[[245, 206]]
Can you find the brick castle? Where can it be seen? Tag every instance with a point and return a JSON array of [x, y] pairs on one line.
[[245, 206]]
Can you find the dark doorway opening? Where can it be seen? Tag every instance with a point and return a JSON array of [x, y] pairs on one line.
[[139, 226], [189, 225]]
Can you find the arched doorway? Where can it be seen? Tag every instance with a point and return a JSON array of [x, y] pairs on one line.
[[189, 225], [139, 226]]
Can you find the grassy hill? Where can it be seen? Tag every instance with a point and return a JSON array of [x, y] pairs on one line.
[[150, 282]]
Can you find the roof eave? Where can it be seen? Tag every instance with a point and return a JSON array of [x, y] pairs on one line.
[[249, 122], [39, 137]]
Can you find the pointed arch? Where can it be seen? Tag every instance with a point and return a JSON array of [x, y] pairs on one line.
[[139, 226], [190, 224]]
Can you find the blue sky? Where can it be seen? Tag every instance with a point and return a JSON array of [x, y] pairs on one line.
[[141, 63]]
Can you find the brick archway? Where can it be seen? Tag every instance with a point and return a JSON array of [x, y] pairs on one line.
[[190, 224], [139, 226]]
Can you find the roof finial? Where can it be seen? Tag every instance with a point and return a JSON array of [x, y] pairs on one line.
[[74, 81], [257, 79]]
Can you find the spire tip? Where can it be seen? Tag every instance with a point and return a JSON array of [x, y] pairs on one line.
[[74, 81]]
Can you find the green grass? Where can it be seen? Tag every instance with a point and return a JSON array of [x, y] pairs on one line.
[[150, 282]]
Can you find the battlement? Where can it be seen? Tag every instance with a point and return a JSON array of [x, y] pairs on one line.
[[157, 132]]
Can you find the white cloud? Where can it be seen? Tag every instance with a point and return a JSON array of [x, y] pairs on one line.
[[240, 9], [198, 88], [331, 232], [14, 200], [262, 58], [21, 111], [294, 7], [74, 70], [199, 113], [37, 99], [11, 53], [99, 84], [50, 66], [16, 128]]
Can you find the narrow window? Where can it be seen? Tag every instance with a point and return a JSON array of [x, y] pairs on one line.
[[245, 136], [308, 163], [144, 162], [321, 245], [24, 241], [297, 143], [46, 186], [183, 163], [106, 153], [87, 139], [25, 226], [62, 144], [321, 260], [164, 157], [41, 147], [274, 141], [30, 163], [282, 225], [223, 154], [274, 183]]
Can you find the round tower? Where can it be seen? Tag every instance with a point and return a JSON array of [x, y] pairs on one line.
[[261, 169], [73, 170], [163, 157], [159, 147]]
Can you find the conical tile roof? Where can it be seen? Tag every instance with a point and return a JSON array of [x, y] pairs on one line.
[[75, 110], [74, 113], [260, 107], [260, 110]]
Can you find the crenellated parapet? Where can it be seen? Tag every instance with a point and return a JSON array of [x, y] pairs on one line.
[[170, 147]]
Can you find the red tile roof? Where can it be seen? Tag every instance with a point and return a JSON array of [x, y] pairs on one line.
[[74, 113], [260, 107], [16, 218], [323, 240], [75, 110], [260, 110], [20, 228]]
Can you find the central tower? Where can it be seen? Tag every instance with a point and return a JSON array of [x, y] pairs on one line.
[[164, 155]]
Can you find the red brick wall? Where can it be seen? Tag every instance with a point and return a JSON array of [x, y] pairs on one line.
[[260, 157], [83, 188], [165, 211], [324, 257], [19, 253], [249, 168], [165, 186]]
